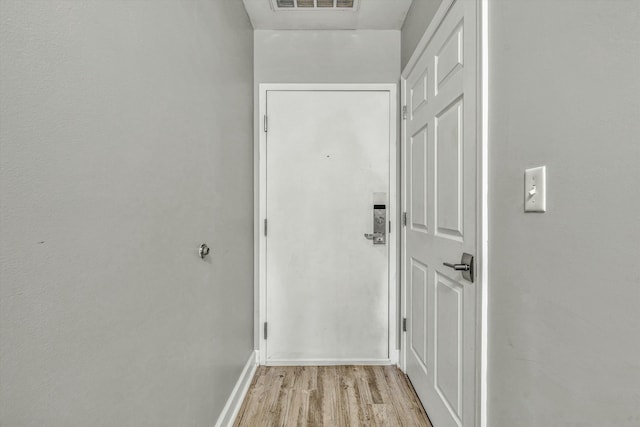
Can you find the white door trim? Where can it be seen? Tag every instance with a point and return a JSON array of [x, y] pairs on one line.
[[259, 237], [481, 256]]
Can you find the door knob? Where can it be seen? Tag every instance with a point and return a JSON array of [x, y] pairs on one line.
[[466, 266]]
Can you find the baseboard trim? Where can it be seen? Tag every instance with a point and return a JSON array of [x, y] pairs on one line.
[[329, 362], [232, 407], [395, 357]]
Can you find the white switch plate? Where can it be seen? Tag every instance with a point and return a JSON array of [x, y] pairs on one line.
[[535, 189]]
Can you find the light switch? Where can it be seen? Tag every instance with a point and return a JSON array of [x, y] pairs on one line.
[[535, 189]]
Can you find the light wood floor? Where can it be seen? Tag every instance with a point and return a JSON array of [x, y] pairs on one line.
[[331, 396]]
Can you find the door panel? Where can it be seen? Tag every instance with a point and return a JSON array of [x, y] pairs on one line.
[[419, 183], [440, 191], [448, 337], [327, 288], [450, 58], [419, 93], [419, 294], [449, 171]]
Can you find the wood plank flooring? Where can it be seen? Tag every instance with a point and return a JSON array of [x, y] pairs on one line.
[[331, 396]]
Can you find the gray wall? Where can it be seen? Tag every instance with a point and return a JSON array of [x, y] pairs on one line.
[[418, 19], [564, 287], [125, 141], [365, 56], [324, 56]]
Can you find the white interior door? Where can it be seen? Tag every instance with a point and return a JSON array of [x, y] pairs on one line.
[[326, 285], [440, 199]]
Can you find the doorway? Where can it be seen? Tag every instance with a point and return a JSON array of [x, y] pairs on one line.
[[327, 266]]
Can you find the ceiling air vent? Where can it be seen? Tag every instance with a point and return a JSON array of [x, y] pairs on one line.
[[279, 5]]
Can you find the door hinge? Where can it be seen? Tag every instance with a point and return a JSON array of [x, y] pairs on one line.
[[265, 226], [404, 325], [404, 112], [404, 219], [265, 330], [265, 123]]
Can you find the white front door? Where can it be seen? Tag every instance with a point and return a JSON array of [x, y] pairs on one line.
[[440, 200], [326, 285]]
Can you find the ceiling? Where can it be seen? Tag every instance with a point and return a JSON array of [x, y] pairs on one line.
[[369, 15]]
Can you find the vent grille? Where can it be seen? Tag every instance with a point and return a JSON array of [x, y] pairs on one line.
[[324, 3], [315, 4]]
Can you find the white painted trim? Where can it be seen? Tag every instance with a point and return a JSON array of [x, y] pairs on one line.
[[394, 236], [232, 407], [347, 87], [329, 362], [395, 357], [403, 265], [482, 343], [259, 239], [393, 360], [482, 228]]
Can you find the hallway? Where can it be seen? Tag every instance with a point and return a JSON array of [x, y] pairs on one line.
[[331, 396], [319, 213]]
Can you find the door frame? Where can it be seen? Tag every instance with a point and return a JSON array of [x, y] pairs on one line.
[[261, 199], [481, 255]]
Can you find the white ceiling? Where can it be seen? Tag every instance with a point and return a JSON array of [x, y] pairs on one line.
[[370, 15]]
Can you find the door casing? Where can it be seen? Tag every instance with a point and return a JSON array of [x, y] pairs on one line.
[[260, 212], [481, 255]]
